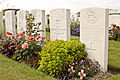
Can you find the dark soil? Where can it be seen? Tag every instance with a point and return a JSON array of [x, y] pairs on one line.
[[113, 71]]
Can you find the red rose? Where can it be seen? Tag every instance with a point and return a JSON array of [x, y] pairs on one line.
[[17, 35], [20, 37], [13, 37], [31, 38], [23, 32], [114, 25], [18, 47], [39, 23], [117, 27], [34, 34], [30, 35], [9, 33], [38, 36]]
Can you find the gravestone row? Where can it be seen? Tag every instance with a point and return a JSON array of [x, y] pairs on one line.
[[10, 20], [94, 24]]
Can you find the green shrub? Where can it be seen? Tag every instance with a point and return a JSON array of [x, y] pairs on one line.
[[60, 54], [29, 43]]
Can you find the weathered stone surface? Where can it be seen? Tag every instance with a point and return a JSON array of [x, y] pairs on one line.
[[39, 16], [21, 20], [1, 23], [10, 21], [60, 24], [46, 20], [114, 19], [94, 25]]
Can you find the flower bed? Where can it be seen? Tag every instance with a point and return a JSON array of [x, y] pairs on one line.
[[114, 32], [61, 59]]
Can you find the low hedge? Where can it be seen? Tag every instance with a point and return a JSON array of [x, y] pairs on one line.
[[59, 54]]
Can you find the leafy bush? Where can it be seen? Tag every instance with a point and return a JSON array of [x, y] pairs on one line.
[[114, 32], [24, 47], [58, 54], [29, 43], [7, 47]]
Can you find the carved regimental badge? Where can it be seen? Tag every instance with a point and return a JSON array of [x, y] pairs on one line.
[[92, 16]]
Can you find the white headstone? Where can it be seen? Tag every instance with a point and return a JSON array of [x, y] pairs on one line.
[[60, 24], [10, 22], [46, 21], [21, 20], [114, 19], [94, 34], [39, 16], [1, 23]]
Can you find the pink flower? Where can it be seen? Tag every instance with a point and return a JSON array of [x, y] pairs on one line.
[[81, 74], [38, 36], [44, 40], [0, 40], [31, 38], [71, 70], [48, 39], [27, 38], [25, 45], [30, 35]]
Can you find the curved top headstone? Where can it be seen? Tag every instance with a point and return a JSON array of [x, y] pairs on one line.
[[94, 23], [60, 24], [1, 23]]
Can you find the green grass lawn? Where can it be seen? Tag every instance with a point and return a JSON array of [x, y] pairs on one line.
[[11, 70], [114, 54], [76, 38], [115, 77]]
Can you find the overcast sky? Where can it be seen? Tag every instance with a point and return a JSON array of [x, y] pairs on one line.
[[73, 5]]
